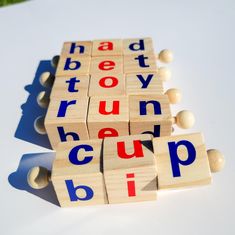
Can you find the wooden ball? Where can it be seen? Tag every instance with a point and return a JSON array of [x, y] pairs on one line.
[[216, 160], [185, 119], [39, 126], [164, 73], [47, 79], [38, 177], [55, 61], [43, 99], [174, 95], [166, 56]]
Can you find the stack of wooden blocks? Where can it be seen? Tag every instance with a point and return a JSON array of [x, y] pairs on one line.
[[110, 123]]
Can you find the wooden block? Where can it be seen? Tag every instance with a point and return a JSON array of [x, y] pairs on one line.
[[106, 65], [143, 83], [76, 173], [138, 46], [107, 47], [141, 63], [77, 48], [181, 161], [70, 87], [73, 65], [150, 114], [108, 116], [130, 169], [107, 85], [66, 120]]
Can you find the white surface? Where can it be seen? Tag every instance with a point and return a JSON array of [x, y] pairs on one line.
[[201, 34]]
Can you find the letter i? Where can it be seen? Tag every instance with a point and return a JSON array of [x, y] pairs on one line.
[[131, 185]]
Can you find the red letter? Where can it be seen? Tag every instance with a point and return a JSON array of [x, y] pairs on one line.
[[131, 185], [103, 80], [103, 133], [107, 47], [115, 109], [106, 65], [138, 150]]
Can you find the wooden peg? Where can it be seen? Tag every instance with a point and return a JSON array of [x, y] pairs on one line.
[[39, 126], [38, 177], [165, 56], [174, 95], [184, 119], [216, 160], [43, 99], [164, 74], [47, 79], [55, 61]]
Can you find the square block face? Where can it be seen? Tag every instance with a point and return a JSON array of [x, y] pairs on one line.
[[138, 46], [130, 169], [70, 87], [107, 47], [76, 173], [143, 83], [107, 85], [106, 65], [77, 48], [150, 113], [73, 65], [108, 116], [140, 63], [188, 149], [66, 120]]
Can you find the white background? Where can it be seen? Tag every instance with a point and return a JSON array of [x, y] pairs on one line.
[[201, 34]]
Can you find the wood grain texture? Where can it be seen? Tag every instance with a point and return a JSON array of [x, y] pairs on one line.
[[195, 174], [107, 47], [89, 174], [142, 168], [142, 123]]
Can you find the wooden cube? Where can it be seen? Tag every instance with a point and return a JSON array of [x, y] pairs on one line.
[[70, 87], [143, 83], [74, 65], [108, 116], [66, 120], [138, 46], [130, 169], [140, 63], [106, 65], [107, 85], [76, 174], [79, 48], [107, 47], [181, 161], [150, 114]]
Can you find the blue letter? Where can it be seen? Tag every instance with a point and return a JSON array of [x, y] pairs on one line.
[[63, 135], [68, 62], [156, 105], [155, 133], [63, 107], [175, 161], [73, 47], [141, 59], [72, 191], [73, 155], [72, 82], [146, 82], [140, 46]]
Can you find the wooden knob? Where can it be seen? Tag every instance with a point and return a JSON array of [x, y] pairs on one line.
[[184, 119], [165, 56], [164, 73], [47, 79], [38, 177], [174, 95], [216, 160], [39, 126], [55, 61], [43, 99]]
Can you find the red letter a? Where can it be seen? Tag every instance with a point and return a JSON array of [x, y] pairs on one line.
[[105, 46]]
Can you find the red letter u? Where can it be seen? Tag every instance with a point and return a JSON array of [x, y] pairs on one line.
[[115, 109]]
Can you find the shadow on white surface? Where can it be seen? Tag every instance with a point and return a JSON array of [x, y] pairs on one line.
[[18, 179], [31, 110]]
